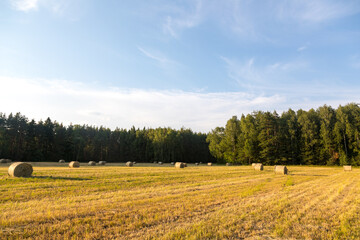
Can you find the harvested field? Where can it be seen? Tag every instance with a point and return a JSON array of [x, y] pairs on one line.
[[161, 202]]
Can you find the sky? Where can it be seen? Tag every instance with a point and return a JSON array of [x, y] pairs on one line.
[[188, 63]]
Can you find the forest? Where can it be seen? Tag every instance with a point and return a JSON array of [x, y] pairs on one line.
[[24, 140], [324, 136]]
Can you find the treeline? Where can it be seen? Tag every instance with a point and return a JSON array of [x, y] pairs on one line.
[[324, 136], [24, 140]]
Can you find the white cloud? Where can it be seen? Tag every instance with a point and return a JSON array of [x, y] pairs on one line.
[[67, 102], [64, 8], [79, 103], [25, 5]]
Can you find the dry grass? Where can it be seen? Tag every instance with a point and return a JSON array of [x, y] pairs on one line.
[[161, 202]]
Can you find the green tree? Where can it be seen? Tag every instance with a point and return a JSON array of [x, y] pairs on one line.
[[268, 137], [248, 140], [214, 139]]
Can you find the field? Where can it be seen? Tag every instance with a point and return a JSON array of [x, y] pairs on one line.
[[150, 201]]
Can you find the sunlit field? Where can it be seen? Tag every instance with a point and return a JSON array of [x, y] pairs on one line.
[[150, 201]]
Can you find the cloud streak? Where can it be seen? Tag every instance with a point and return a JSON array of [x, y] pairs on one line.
[[237, 16], [183, 18], [157, 57], [248, 74], [320, 11]]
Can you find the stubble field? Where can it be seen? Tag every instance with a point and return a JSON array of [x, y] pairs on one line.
[[149, 201]]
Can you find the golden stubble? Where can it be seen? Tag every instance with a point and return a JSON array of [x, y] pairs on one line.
[[197, 202]]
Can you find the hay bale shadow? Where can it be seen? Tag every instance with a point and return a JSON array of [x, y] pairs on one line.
[[61, 178], [303, 174]]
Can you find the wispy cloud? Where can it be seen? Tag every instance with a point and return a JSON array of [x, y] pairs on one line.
[[248, 74], [245, 73], [317, 11], [25, 5], [302, 48], [238, 17], [155, 56], [183, 18], [168, 66]]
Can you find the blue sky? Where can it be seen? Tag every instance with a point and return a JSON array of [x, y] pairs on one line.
[[190, 64]]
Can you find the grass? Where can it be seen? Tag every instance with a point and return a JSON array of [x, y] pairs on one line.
[[149, 201]]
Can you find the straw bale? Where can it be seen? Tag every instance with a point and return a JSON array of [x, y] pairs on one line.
[[92, 163], [347, 168], [259, 167], [209, 164], [179, 165], [102, 162], [228, 164], [74, 164], [160, 163], [61, 161], [129, 164], [20, 169], [3, 160], [281, 169]]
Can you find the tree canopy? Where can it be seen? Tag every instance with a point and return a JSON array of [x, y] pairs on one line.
[[324, 136], [24, 140]]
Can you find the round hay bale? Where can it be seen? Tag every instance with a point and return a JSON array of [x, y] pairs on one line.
[[3, 160], [253, 164], [209, 164], [92, 163], [200, 162], [228, 164], [102, 162], [74, 164], [129, 164], [197, 164], [179, 165], [281, 169], [20, 169], [61, 161], [259, 167], [172, 163], [347, 168], [160, 163]]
